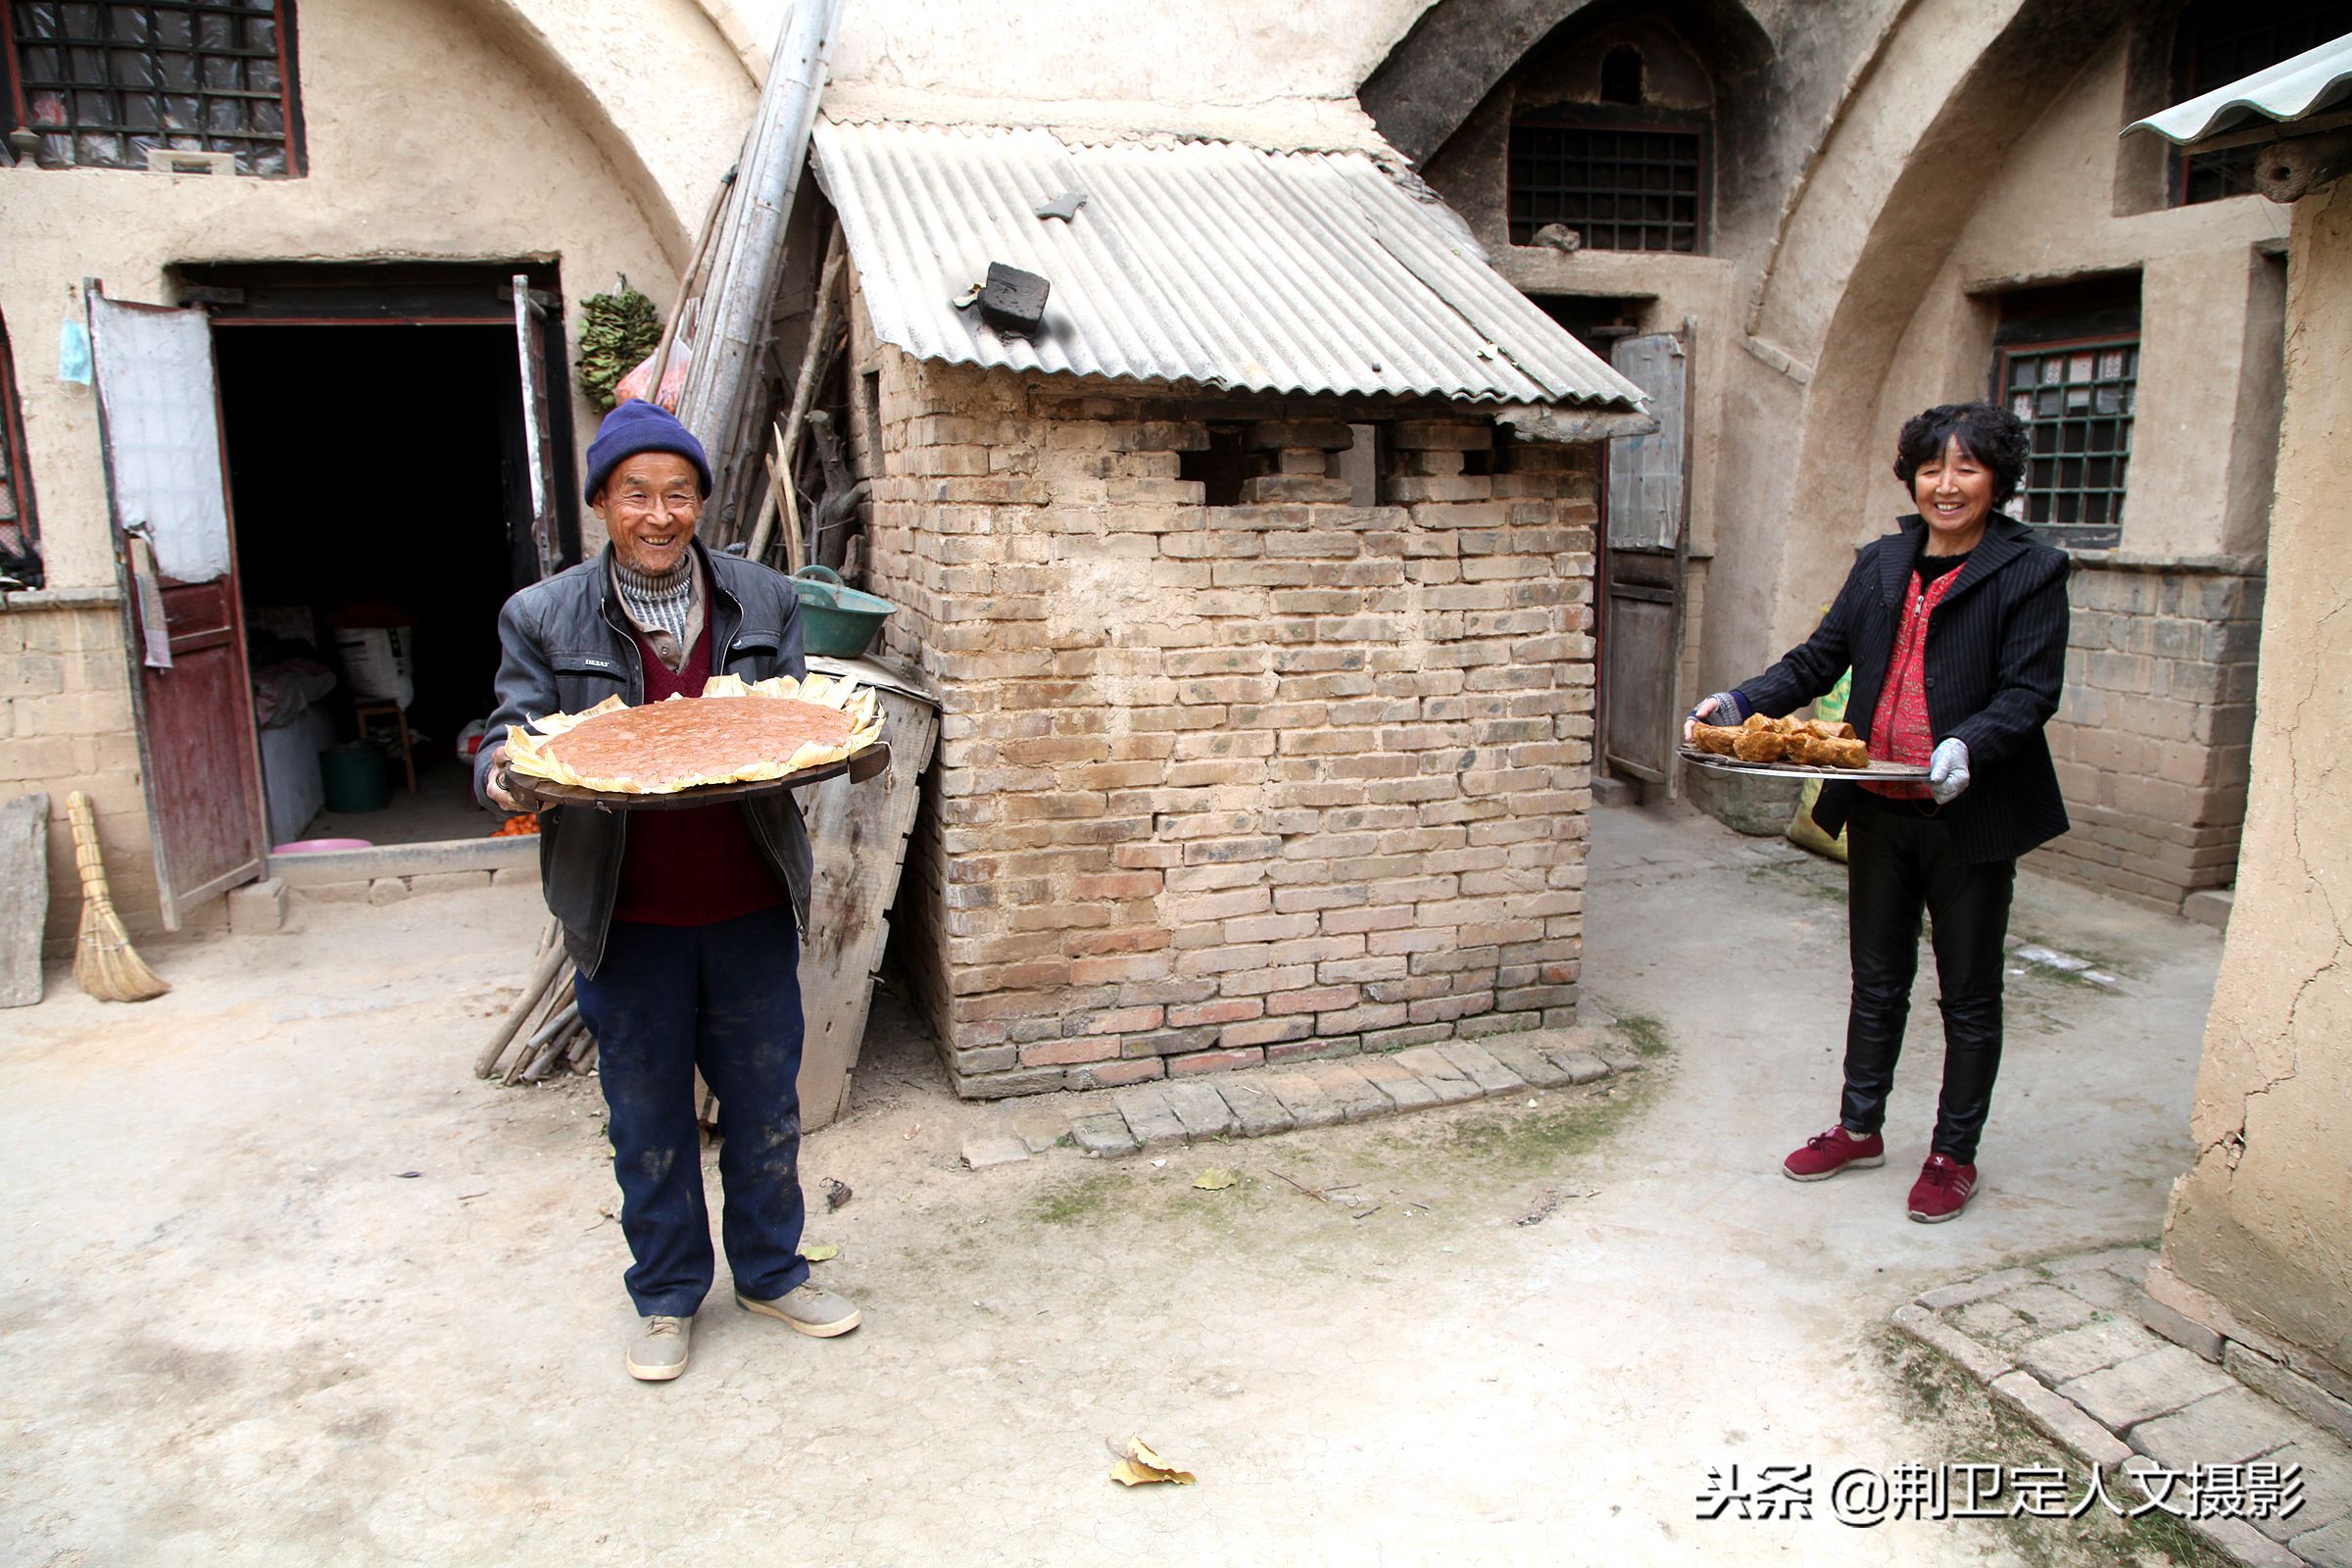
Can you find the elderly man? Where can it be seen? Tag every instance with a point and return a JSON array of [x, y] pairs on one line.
[[685, 925]]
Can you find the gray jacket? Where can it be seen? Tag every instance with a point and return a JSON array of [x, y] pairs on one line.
[[566, 645]]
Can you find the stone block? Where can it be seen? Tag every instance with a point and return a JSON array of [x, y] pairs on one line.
[[387, 890], [1980, 1360], [2209, 909], [981, 1151], [2327, 1472], [2060, 1419], [1447, 1081], [2267, 1377], [1532, 1064], [1581, 1066], [257, 908], [1151, 1118], [1608, 791], [2329, 1546], [1481, 1066], [2080, 1351], [2049, 1309], [1398, 1083], [1039, 1126], [2180, 1328], [1201, 1109], [1355, 1094], [1257, 1110], [2146, 1386], [1104, 1134], [23, 897], [2227, 1427], [450, 881], [1305, 1100]]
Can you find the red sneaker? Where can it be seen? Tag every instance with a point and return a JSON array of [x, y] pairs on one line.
[[1941, 1191], [1831, 1152]]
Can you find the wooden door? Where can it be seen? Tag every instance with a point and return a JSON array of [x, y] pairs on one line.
[[175, 559], [1648, 505]]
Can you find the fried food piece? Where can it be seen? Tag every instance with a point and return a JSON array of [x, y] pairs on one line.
[[1841, 752], [1760, 745], [1830, 729], [1716, 739]]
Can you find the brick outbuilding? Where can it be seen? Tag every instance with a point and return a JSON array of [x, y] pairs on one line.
[[1268, 709]]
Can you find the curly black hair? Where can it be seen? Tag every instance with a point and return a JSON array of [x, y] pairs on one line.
[[1993, 436]]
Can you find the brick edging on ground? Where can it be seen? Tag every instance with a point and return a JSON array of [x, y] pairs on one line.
[[2112, 1383], [1260, 1102]]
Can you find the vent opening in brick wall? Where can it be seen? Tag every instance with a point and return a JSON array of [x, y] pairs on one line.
[[176, 85]]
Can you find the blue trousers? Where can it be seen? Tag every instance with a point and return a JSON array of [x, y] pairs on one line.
[[725, 997]]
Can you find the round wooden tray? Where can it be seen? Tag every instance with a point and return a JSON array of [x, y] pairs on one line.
[[534, 793], [1881, 772]]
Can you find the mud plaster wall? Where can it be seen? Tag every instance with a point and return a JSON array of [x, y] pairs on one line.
[[447, 130], [1225, 785], [2260, 1220]]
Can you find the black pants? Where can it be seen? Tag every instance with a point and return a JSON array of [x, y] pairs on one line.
[[1899, 863], [725, 997]]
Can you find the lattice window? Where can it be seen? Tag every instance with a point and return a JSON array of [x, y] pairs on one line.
[[2219, 41], [20, 541], [105, 83], [2076, 399], [1622, 187]]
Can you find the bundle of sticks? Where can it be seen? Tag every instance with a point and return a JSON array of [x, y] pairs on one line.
[[542, 1032], [1806, 742]]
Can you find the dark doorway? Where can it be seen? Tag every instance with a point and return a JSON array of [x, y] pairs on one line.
[[379, 480]]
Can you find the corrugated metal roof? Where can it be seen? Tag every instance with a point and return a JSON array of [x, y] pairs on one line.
[[1203, 261], [2313, 80]]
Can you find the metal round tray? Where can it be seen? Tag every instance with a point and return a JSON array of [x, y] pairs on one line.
[[534, 793], [1880, 773]]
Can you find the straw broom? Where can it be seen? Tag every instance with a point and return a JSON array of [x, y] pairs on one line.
[[104, 960]]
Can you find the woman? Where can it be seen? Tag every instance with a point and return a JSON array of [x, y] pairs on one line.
[[1955, 629]]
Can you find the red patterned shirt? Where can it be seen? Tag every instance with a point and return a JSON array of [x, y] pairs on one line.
[[1899, 731]]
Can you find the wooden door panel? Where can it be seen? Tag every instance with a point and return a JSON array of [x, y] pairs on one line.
[[160, 431], [1642, 588], [202, 775]]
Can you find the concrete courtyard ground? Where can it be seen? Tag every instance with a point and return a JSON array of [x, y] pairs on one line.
[[284, 1284]]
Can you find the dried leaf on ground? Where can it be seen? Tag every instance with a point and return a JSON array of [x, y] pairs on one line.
[[820, 1252], [1141, 1466], [1215, 1178]]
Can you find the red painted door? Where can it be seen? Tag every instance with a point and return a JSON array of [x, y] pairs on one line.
[[192, 698]]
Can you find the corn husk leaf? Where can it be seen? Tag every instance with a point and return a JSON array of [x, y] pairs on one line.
[[1141, 1467], [820, 1252], [1216, 1179]]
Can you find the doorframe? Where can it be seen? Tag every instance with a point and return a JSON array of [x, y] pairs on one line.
[[257, 295]]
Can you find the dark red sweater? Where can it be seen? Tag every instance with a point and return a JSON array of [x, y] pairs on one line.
[[697, 866]]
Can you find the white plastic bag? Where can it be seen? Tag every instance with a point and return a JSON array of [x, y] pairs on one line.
[[376, 660]]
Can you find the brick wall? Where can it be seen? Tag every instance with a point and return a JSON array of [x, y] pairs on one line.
[[65, 724], [1224, 785], [2152, 738]]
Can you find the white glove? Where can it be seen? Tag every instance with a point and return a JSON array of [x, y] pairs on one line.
[[1948, 771]]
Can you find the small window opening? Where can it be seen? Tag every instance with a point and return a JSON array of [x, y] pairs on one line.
[[1224, 466], [1621, 75], [870, 388]]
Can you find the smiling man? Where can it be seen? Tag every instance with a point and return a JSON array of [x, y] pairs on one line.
[[684, 924]]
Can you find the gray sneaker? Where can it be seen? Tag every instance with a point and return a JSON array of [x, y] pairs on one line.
[[807, 1308], [658, 1347]]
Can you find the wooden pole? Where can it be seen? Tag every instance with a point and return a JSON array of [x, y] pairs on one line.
[[803, 388], [742, 295], [677, 304], [537, 987]]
